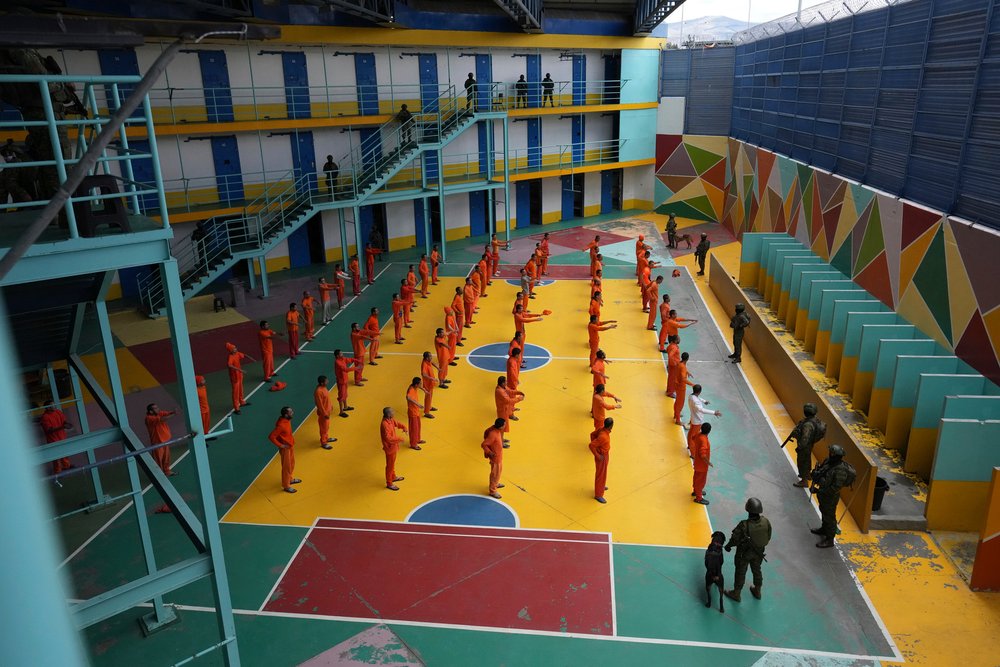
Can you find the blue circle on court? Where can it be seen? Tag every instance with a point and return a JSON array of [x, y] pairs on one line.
[[493, 357], [538, 283], [465, 510]]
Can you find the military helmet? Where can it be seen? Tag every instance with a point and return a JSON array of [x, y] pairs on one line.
[[740, 308], [754, 506], [809, 409], [836, 450]]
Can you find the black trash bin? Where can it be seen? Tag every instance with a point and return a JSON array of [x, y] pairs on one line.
[[881, 486]]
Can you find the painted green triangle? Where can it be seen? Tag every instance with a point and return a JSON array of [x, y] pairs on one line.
[[683, 209], [862, 196], [931, 279], [872, 244], [842, 260], [788, 171], [748, 183], [701, 159], [805, 175], [702, 204], [807, 204]]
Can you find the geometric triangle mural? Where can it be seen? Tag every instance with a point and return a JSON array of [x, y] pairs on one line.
[[694, 175]]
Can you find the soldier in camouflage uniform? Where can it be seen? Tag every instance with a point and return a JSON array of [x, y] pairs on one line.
[[807, 433], [701, 253], [828, 478], [750, 536]]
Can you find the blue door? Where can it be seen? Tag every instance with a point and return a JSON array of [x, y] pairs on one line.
[[119, 62], [228, 175], [534, 143], [367, 220], [579, 79], [534, 77], [477, 213], [304, 161], [567, 197], [485, 141], [215, 80], [418, 222], [579, 139], [296, 84], [427, 65], [484, 77], [298, 247], [364, 72], [142, 173], [523, 204], [607, 181]]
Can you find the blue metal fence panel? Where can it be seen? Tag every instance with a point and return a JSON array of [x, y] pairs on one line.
[[704, 77]]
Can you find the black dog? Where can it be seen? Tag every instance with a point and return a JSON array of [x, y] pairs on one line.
[[714, 558]]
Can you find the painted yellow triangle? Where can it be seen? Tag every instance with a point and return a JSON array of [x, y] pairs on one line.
[[711, 143], [848, 218], [789, 200], [912, 255], [819, 247], [717, 198], [992, 322], [961, 298], [912, 307], [689, 191]]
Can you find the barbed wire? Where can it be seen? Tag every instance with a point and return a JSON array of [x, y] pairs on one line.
[[824, 13]]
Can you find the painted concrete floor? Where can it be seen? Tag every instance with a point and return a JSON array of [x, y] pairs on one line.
[[814, 611]]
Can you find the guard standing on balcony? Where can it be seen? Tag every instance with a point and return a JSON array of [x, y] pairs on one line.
[[521, 90], [405, 119], [332, 171], [470, 92], [548, 85]]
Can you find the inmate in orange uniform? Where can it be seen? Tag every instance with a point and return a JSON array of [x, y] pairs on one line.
[[341, 367], [202, 389], [599, 405], [597, 370], [443, 356], [309, 315], [428, 381], [292, 328], [324, 296], [469, 301], [594, 329], [53, 423], [414, 406], [477, 284], [496, 255], [284, 440], [435, 262], [514, 370], [506, 399], [673, 361], [373, 331], [406, 292], [544, 247], [520, 319], [425, 276], [398, 308], [600, 447], [338, 284], [650, 296], [390, 445], [452, 330], [264, 336], [234, 362], [358, 346], [354, 268], [159, 432], [458, 305], [594, 248], [702, 462], [493, 451], [641, 264], [671, 325], [484, 274], [532, 270], [321, 397], [370, 253], [596, 302], [682, 385]]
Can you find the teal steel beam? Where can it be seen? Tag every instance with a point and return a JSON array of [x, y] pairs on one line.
[[100, 498], [179, 335], [37, 626], [85, 442], [342, 219], [444, 235], [427, 223], [357, 233], [506, 180], [104, 606], [57, 151], [252, 273], [265, 285]]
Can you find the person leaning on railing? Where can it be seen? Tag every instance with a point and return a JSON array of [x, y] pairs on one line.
[[332, 171]]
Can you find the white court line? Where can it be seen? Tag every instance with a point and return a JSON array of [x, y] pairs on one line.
[[611, 579], [504, 356], [471, 535], [752, 648], [284, 570], [452, 525]]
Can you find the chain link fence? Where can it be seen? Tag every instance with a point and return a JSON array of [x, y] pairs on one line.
[[824, 13]]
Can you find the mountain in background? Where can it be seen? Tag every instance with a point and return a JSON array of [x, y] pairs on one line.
[[705, 29]]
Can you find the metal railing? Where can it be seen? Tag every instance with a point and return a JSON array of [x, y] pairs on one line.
[[505, 95], [563, 156], [32, 172]]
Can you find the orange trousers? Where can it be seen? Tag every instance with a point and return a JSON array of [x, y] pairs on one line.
[[671, 379], [470, 309], [397, 324], [206, 421], [373, 350], [434, 275], [443, 365], [359, 367], [287, 466], [267, 360], [370, 270], [407, 310], [663, 336], [310, 324], [61, 464], [390, 466], [544, 268], [356, 283], [424, 281], [495, 263], [162, 458], [237, 391], [698, 483], [293, 343], [601, 475], [496, 467], [428, 398], [413, 421], [679, 402], [324, 428], [693, 432], [652, 318]]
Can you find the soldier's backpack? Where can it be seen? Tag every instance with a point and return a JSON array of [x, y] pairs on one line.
[[850, 474], [820, 429]]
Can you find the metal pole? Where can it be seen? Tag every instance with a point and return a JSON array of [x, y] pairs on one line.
[[357, 232], [343, 237], [441, 215], [506, 180], [265, 285]]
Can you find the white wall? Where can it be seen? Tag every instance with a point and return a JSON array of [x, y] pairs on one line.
[[670, 116], [400, 220], [637, 186], [551, 197], [592, 193]]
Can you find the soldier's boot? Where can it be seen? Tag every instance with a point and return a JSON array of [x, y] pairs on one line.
[[733, 595], [755, 591], [825, 543], [816, 531], [802, 484]]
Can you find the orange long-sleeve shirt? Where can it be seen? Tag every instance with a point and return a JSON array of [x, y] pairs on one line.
[[282, 436], [702, 452], [158, 429], [600, 442], [414, 401], [53, 423], [493, 444], [322, 399], [387, 431], [599, 405]]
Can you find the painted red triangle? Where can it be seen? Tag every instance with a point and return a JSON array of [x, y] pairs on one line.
[[716, 175], [975, 349], [875, 279], [830, 220], [916, 221], [666, 144]]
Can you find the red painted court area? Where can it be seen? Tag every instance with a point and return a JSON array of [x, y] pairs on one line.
[[465, 575]]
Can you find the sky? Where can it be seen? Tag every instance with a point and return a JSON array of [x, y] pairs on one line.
[[759, 10]]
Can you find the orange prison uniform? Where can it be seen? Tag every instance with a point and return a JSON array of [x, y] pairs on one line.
[[443, 356], [493, 449], [594, 308], [641, 263], [513, 373], [664, 316], [374, 331], [435, 261], [411, 279], [544, 247], [159, 432], [340, 369], [515, 344], [324, 297], [519, 322], [355, 269], [702, 450], [682, 385], [650, 295], [599, 407], [496, 255], [600, 446], [390, 445], [338, 284], [309, 311], [283, 439], [596, 266], [597, 370], [358, 345], [427, 375], [458, 305], [424, 277], [292, 324], [236, 378], [53, 423], [477, 283], [398, 306], [592, 247], [673, 361], [370, 262], [484, 273], [453, 332], [406, 294], [206, 418], [469, 297], [264, 336], [504, 399], [532, 272], [323, 408], [413, 413], [593, 331]]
